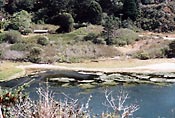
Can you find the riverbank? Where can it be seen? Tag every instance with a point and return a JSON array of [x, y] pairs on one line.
[[110, 66], [100, 66]]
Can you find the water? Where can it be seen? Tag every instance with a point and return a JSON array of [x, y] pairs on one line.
[[155, 101]]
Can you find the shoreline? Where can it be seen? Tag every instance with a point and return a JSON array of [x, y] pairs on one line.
[[153, 67]]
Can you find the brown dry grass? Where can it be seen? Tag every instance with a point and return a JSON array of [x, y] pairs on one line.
[[123, 63]]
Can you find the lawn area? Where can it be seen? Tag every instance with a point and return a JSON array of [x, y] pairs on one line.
[[8, 69]]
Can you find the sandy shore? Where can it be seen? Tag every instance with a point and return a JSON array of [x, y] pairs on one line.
[[161, 67]]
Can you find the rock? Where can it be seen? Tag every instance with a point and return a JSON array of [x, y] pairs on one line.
[[61, 79], [169, 76], [157, 79], [85, 81]]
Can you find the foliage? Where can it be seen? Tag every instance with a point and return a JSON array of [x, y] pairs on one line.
[[9, 98], [89, 11], [124, 37], [20, 21], [94, 38], [110, 25], [65, 21], [90, 37], [20, 46], [2, 36], [151, 48], [112, 7], [43, 41], [130, 9], [119, 37], [34, 55], [171, 51], [12, 37]]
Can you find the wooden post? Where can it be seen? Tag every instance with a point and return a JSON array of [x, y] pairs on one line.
[[1, 116]]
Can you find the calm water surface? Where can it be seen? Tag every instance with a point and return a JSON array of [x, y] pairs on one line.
[[155, 101]]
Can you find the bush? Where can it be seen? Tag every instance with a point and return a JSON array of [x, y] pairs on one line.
[[34, 55], [20, 21], [43, 40], [124, 37], [171, 51], [2, 36], [142, 55], [26, 31], [12, 37], [65, 20], [99, 40], [90, 37], [20, 47]]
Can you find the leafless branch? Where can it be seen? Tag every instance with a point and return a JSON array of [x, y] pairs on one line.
[[118, 104]]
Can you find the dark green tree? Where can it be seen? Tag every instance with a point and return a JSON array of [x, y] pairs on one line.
[[112, 7], [130, 9], [65, 21], [89, 11], [27, 5], [111, 25], [19, 21]]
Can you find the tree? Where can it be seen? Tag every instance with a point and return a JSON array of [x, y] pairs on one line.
[[112, 7], [111, 24], [65, 21], [130, 9], [27, 5], [89, 11], [20, 21]]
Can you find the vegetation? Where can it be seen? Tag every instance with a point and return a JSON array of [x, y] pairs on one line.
[[71, 37], [8, 70], [12, 37], [43, 40]]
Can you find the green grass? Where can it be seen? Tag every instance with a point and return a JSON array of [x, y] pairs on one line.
[[7, 70]]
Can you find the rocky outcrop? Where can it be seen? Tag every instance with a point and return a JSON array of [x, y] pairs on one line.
[[101, 77]]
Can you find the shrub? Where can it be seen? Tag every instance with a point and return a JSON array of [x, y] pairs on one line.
[[151, 48], [2, 36], [65, 20], [94, 38], [26, 31], [142, 55], [20, 20], [90, 37], [171, 51], [12, 37], [99, 40], [0, 54], [34, 55], [124, 37], [43, 40], [20, 47]]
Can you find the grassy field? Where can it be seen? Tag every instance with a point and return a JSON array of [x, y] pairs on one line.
[[8, 69]]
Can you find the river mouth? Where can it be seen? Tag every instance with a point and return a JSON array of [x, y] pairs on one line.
[[154, 101]]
